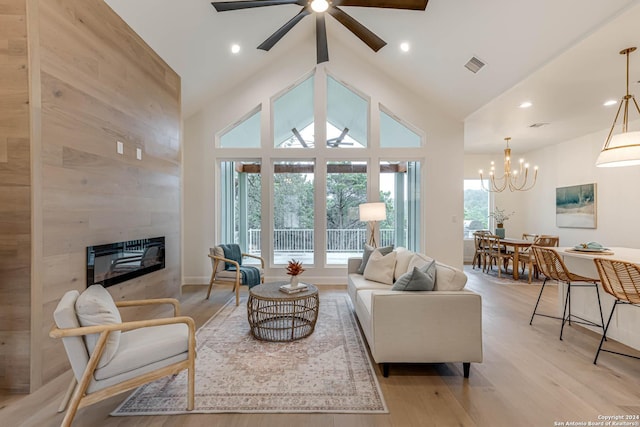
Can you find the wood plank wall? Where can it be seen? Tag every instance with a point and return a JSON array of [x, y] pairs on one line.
[[15, 204], [100, 83]]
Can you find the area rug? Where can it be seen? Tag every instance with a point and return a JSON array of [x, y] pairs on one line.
[[329, 371]]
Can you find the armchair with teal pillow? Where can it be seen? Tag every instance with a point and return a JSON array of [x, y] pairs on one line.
[[226, 262]]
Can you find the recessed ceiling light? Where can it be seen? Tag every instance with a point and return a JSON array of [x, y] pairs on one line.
[[235, 48], [404, 46], [610, 102], [526, 104]]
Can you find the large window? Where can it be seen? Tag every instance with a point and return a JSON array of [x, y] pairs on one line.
[[400, 191], [241, 205], [347, 116], [293, 191], [394, 133], [476, 207], [293, 117], [293, 211], [245, 134], [346, 190]]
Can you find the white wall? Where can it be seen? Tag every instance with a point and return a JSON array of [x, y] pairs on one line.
[[443, 168], [571, 163]]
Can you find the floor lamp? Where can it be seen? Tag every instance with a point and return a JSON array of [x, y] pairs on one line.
[[371, 213]]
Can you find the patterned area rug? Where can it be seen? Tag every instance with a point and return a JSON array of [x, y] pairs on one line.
[[329, 371]]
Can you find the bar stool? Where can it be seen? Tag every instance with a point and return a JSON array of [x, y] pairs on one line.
[[621, 280], [552, 266]]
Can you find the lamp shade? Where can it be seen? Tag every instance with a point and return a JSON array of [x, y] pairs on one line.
[[623, 150], [373, 211]]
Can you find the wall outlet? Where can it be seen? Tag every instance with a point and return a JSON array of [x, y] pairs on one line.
[[139, 153], [120, 147]]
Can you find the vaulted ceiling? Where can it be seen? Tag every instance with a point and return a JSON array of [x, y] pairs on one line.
[[560, 55]]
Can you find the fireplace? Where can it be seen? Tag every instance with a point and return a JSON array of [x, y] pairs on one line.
[[114, 263]]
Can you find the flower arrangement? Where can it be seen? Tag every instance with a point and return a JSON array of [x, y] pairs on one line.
[[294, 268], [500, 216]]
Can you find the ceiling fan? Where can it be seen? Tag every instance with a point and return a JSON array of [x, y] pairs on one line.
[[319, 7]]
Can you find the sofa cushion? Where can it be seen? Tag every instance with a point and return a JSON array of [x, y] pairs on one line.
[[368, 250], [418, 279], [447, 278], [95, 307], [403, 257], [380, 267], [357, 282]]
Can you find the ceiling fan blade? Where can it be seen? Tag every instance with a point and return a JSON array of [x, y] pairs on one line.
[[363, 33], [223, 6], [275, 37], [322, 49], [389, 4]]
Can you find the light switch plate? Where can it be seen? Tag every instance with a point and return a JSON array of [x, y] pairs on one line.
[[139, 153], [120, 147]]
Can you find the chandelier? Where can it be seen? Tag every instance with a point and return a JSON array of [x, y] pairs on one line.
[[514, 180], [622, 149]]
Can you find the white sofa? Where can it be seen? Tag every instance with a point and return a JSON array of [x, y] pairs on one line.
[[439, 326]]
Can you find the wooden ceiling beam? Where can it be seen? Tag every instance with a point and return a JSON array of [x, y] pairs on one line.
[[331, 168]]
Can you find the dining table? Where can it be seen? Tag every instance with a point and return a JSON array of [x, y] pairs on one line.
[[517, 245]]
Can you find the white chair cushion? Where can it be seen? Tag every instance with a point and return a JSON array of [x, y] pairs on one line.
[[380, 267], [403, 257], [145, 346], [217, 251], [95, 307]]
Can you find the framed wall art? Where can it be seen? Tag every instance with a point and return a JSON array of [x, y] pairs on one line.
[[576, 206]]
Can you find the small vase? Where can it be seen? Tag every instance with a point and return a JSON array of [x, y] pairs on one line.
[[500, 232], [294, 281]]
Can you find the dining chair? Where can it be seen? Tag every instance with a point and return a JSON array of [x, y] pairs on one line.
[[480, 250], [529, 260], [621, 280], [496, 251], [552, 267]]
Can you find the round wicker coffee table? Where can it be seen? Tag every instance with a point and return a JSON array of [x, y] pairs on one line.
[[278, 316]]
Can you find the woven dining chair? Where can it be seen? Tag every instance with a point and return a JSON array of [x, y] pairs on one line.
[[530, 261], [621, 280], [552, 267]]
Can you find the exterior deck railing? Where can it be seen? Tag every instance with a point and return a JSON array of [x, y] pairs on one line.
[[302, 240]]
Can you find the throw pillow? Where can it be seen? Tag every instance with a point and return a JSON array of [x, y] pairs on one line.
[[368, 250], [418, 279], [380, 267], [403, 258], [94, 307], [217, 251], [419, 260]]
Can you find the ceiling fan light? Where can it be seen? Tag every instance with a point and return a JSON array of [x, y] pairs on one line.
[[319, 5], [623, 150]]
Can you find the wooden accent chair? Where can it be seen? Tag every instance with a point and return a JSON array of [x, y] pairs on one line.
[[529, 260], [496, 252], [219, 274], [621, 280], [552, 266], [109, 356]]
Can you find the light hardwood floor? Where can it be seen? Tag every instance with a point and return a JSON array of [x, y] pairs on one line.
[[528, 378]]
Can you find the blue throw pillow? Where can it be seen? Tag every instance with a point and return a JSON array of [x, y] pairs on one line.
[[368, 250], [419, 279]]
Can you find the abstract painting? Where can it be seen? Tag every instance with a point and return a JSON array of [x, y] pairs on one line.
[[576, 206]]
